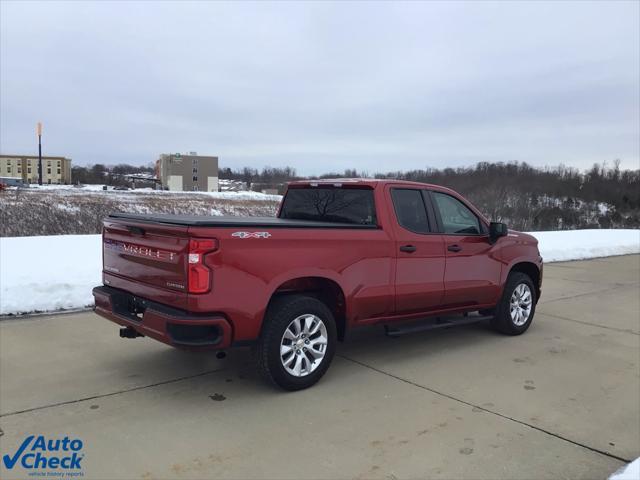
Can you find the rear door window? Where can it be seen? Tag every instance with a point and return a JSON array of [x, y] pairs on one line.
[[330, 204], [456, 217], [410, 209]]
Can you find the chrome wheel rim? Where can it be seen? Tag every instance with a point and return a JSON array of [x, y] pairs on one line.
[[303, 345], [520, 304]]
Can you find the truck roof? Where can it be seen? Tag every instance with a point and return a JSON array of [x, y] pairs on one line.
[[368, 182]]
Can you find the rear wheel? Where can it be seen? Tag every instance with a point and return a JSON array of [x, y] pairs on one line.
[[298, 342], [517, 307]]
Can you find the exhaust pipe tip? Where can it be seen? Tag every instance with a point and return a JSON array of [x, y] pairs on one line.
[[221, 355], [129, 332]]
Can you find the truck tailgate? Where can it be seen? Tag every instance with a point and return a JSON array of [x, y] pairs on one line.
[[152, 254]]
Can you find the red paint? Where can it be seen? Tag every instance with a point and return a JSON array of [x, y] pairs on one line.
[[378, 282]]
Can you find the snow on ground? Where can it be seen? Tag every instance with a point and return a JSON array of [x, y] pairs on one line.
[[99, 189], [630, 471], [579, 244], [58, 272], [48, 273]]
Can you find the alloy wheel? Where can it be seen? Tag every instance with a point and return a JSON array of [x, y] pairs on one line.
[[520, 304], [303, 345]]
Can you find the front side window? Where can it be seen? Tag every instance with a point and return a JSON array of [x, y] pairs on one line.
[[410, 210], [455, 215], [330, 204]]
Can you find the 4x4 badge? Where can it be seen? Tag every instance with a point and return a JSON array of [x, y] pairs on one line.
[[251, 234]]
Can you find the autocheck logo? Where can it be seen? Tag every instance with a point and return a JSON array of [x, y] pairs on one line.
[[61, 457]]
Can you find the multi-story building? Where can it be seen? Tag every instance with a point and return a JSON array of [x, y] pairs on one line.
[[189, 172], [55, 170]]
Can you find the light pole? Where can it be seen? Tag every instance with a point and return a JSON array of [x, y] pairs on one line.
[[39, 153]]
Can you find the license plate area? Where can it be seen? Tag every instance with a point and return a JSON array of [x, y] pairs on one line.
[[129, 306]]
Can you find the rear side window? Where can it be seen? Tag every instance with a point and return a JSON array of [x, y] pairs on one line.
[[410, 209], [456, 216], [342, 205]]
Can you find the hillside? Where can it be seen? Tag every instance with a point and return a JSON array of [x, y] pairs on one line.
[[70, 210]]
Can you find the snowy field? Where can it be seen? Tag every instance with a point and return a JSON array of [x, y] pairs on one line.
[[110, 190], [67, 210], [49, 273], [580, 244], [57, 272]]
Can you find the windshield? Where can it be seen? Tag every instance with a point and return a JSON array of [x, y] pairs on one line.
[[330, 204]]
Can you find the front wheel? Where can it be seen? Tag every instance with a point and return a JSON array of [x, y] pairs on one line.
[[298, 342], [517, 307]]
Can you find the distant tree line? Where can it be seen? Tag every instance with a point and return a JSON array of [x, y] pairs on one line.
[[525, 197], [107, 175], [268, 177], [531, 198]]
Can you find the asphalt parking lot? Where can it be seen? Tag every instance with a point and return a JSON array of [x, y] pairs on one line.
[[561, 401]]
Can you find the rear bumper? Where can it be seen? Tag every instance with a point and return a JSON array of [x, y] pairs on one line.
[[165, 324]]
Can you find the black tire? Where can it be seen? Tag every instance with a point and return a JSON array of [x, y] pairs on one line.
[[267, 352], [502, 320]]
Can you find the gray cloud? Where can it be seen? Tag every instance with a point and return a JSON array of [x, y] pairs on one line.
[[318, 86]]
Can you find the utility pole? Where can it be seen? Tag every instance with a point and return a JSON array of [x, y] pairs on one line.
[[39, 153]]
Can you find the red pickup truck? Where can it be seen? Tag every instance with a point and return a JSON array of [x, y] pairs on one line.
[[340, 254]]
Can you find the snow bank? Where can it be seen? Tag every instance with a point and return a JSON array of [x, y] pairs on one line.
[[48, 273], [580, 244], [628, 472], [58, 272], [98, 189]]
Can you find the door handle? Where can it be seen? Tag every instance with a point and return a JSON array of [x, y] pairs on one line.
[[454, 248], [408, 248]]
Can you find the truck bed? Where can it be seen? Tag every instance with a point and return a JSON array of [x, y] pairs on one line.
[[231, 222]]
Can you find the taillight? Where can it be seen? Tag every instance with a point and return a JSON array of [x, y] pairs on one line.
[[198, 274]]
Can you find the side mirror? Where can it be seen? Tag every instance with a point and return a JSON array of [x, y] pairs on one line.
[[497, 230]]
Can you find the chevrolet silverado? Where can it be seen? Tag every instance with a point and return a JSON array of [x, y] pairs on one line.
[[340, 254]]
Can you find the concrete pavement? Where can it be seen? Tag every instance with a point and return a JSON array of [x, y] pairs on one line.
[[560, 401]]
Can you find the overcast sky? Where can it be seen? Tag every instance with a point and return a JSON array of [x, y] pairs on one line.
[[324, 86]]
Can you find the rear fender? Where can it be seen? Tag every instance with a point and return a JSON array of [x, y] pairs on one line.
[[292, 275]]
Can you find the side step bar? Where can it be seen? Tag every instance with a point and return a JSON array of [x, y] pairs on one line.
[[433, 324]]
